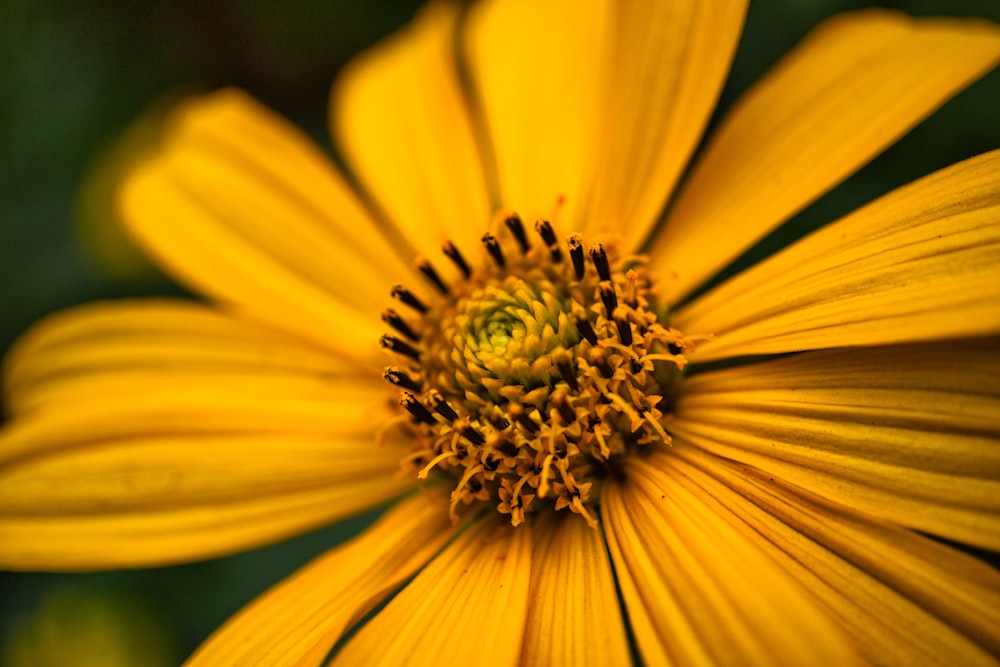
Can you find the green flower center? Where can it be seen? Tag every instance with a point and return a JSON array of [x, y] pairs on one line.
[[528, 379]]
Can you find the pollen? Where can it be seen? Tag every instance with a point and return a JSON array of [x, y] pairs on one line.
[[525, 382]]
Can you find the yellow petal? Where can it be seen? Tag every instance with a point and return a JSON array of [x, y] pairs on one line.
[[918, 264], [854, 85], [905, 599], [533, 66], [298, 621], [663, 77], [77, 353], [400, 116], [906, 433], [467, 607], [156, 445], [573, 613], [243, 208], [699, 589]]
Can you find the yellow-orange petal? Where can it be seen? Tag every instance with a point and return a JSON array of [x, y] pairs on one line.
[[401, 118], [699, 589], [662, 79], [535, 67], [467, 607], [242, 207], [851, 88], [904, 599], [905, 433], [83, 352], [299, 620], [920, 263], [573, 613]]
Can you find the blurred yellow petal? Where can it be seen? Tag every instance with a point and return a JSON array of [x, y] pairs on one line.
[[905, 599], [467, 607], [699, 589], [921, 263], [573, 613], [850, 89], [663, 77], [907, 433], [326, 597], [535, 67], [400, 116], [83, 352], [242, 207]]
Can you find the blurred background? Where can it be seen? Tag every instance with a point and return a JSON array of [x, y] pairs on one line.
[[73, 78]]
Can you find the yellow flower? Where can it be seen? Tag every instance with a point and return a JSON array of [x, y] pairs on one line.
[[578, 439]]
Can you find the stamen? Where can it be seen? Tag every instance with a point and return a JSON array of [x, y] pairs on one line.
[[416, 408], [425, 268], [516, 228], [440, 406], [599, 256], [674, 348], [406, 296], [599, 359], [392, 318], [608, 297], [493, 247], [399, 346], [400, 378], [455, 256], [470, 434], [575, 244], [544, 229], [620, 316], [520, 416], [630, 291], [564, 363], [587, 331], [563, 408]]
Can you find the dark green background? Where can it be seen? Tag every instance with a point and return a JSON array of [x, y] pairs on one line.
[[72, 76]]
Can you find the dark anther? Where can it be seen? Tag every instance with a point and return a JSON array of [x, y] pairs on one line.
[[624, 328], [587, 331], [472, 435], [608, 296], [475, 486], [544, 229], [399, 346], [455, 256], [425, 268], [416, 408], [674, 348], [516, 228], [393, 375], [498, 422], [593, 421], [575, 244], [490, 464], [520, 416], [392, 318], [500, 443], [563, 407], [568, 373], [560, 450], [599, 257], [440, 406], [406, 296], [634, 366], [597, 358], [493, 247]]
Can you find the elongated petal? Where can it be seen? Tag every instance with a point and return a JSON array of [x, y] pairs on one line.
[[298, 621], [536, 69], [243, 208], [141, 442], [85, 351], [851, 88], [920, 263], [663, 77], [905, 599], [573, 614], [401, 118], [907, 433], [700, 590], [465, 608]]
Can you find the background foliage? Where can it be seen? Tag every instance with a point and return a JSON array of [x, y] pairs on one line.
[[74, 75]]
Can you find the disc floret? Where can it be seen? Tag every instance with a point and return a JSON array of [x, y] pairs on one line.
[[527, 379]]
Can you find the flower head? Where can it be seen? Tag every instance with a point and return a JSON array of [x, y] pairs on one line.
[[498, 323]]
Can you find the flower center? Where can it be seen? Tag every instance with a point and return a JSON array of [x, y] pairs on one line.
[[526, 380]]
